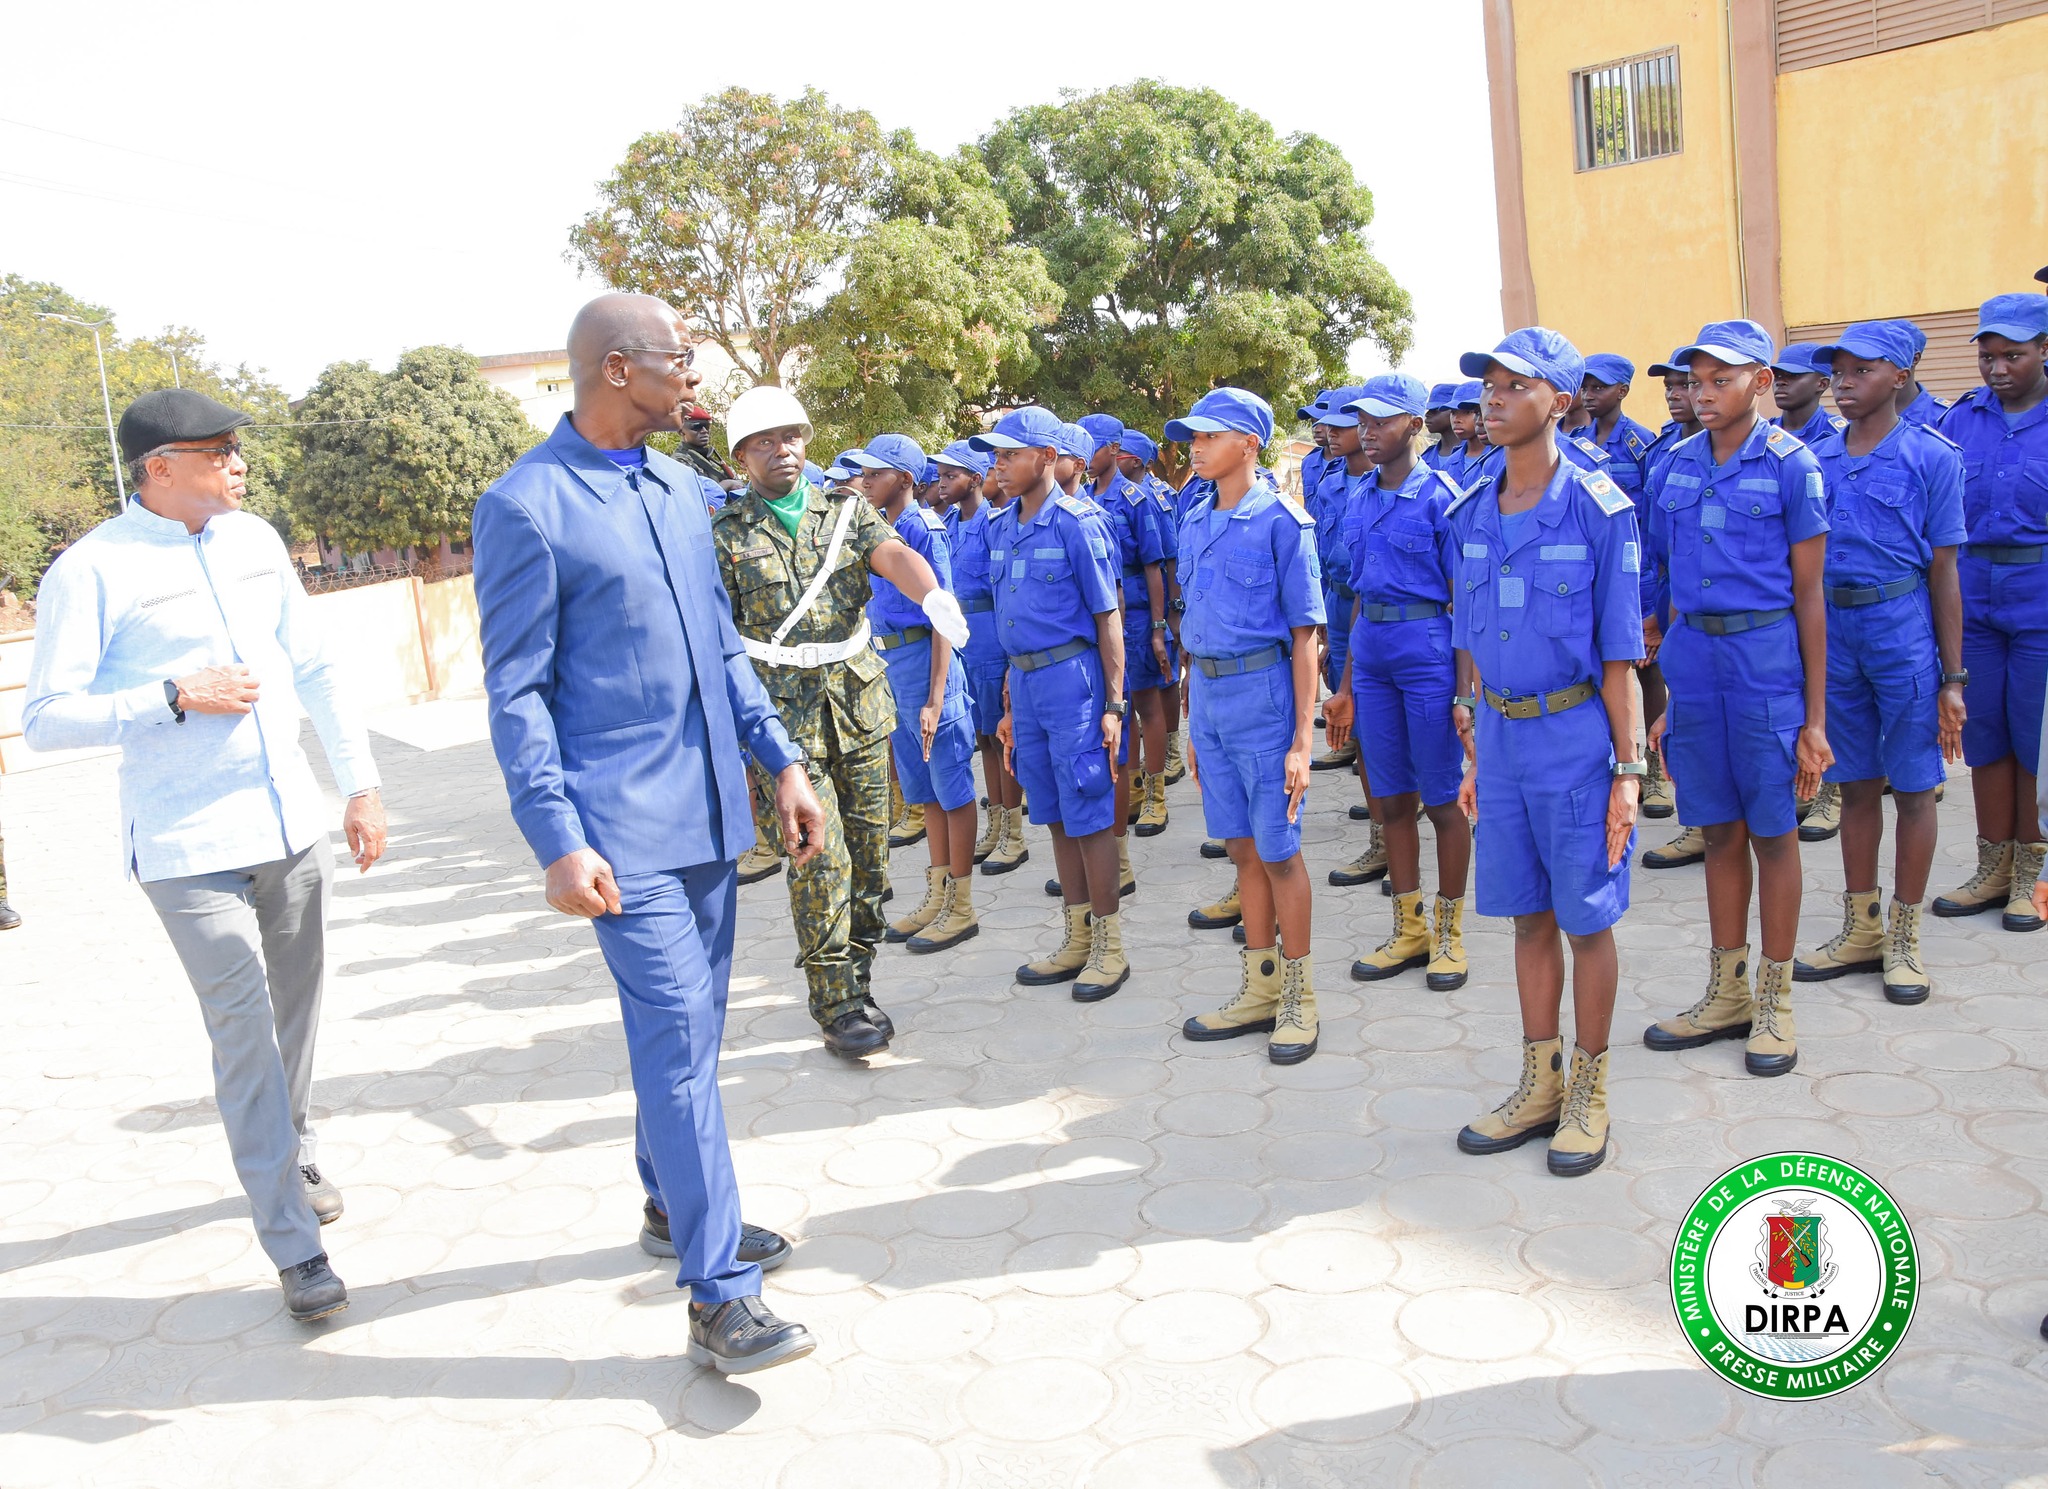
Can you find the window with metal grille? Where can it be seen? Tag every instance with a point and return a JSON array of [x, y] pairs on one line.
[[1628, 110]]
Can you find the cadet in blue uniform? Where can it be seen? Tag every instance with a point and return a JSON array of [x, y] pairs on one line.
[[1546, 625], [1325, 502], [1797, 384], [1915, 404], [1442, 448], [1624, 441], [933, 744], [1402, 676], [1053, 567], [1313, 462], [1254, 603], [1476, 458], [1135, 454], [1690, 846], [1741, 515], [2003, 431], [1895, 646]]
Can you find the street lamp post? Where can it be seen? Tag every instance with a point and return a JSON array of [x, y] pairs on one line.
[[106, 399]]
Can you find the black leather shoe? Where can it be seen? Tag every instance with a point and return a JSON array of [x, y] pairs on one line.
[[853, 1036], [320, 1194], [758, 1245], [1052, 887], [742, 1336], [878, 1018], [1213, 848], [9, 916], [312, 1291], [1360, 812]]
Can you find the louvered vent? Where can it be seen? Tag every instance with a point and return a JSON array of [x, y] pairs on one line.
[[1813, 33]]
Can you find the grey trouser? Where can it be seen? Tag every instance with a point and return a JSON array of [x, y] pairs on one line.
[[253, 941]]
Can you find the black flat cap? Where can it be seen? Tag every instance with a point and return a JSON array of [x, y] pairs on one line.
[[172, 414]]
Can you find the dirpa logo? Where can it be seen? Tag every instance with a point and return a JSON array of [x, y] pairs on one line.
[[1791, 1263]]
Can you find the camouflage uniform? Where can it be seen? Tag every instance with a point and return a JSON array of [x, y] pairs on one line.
[[840, 715]]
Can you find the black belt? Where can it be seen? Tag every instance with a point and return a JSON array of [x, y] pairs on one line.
[[1255, 661], [976, 607], [1733, 624], [1031, 661], [1532, 705], [1855, 596], [1342, 590], [2006, 553], [890, 640], [1385, 613]]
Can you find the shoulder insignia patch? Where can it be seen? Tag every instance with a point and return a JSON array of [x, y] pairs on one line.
[[1610, 498], [1465, 496], [1296, 510], [1781, 441], [1839, 422], [1634, 443], [1938, 435], [1457, 492], [932, 519], [1075, 505]]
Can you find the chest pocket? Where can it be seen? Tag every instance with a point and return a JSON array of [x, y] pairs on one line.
[[1247, 588], [1886, 510], [1756, 519], [2033, 492], [1561, 598], [1680, 514], [1413, 540], [1050, 565], [758, 568]]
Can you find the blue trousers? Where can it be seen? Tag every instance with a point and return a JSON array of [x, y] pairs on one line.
[[670, 952]]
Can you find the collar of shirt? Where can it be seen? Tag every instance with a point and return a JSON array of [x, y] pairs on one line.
[[597, 471], [1889, 448], [1701, 450], [1548, 512], [1986, 401]]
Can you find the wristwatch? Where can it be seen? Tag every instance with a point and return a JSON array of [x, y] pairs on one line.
[[1631, 768], [1118, 706], [1159, 625], [1465, 700], [171, 699], [1962, 678]]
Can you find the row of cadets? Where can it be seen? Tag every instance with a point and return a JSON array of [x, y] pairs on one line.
[[1325, 501], [1546, 621], [1399, 678], [1915, 404], [1135, 453], [932, 746], [1253, 591], [1740, 521], [1054, 578], [969, 500], [1476, 459], [2002, 429], [1441, 450], [1895, 621]]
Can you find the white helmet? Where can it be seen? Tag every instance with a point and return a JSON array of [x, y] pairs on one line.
[[765, 407]]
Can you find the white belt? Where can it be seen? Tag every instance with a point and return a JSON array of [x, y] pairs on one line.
[[814, 654]]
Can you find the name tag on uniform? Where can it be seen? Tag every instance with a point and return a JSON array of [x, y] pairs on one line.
[[1513, 594], [1475, 550], [1053, 552], [1713, 514], [1686, 481], [759, 550], [1016, 571], [1816, 488], [1631, 559], [1756, 485], [1564, 551]]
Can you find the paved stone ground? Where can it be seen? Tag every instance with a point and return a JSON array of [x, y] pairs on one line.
[[1041, 1244]]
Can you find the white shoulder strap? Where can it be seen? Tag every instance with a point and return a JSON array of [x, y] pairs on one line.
[[818, 580]]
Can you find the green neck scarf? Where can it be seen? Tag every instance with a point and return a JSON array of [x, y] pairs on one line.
[[789, 510]]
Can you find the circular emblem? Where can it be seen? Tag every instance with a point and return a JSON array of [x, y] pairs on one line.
[[1794, 1276]]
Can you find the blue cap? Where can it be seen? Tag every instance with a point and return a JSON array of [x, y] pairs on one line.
[[1610, 368], [1224, 410], [1678, 365], [1442, 395], [1469, 394], [965, 457], [1072, 439], [842, 467], [1029, 428], [1394, 393], [2015, 317], [1916, 336], [1737, 343], [1106, 429], [812, 474], [1533, 351], [891, 452], [1316, 406], [1888, 341], [1797, 358], [1340, 413], [931, 472], [1137, 442]]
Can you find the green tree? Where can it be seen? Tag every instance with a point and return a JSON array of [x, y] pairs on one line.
[[1194, 245], [397, 459]]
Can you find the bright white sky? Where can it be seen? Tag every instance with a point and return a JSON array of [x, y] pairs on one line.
[[307, 184]]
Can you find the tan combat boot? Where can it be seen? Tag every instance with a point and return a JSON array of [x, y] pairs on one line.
[[1773, 1047], [1176, 758], [1407, 946], [1858, 947], [1658, 800], [1447, 968], [1989, 888], [1342, 758], [1368, 866], [1152, 819], [1580, 1145], [1226, 912], [955, 922], [1251, 1011], [1723, 1011], [1825, 820], [1106, 970], [1905, 977], [1294, 1024], [1689, 847], [1065, 964], [760, 861], [2027, 860], [991, 835], [1137, 807], [928, 909], [1010, 850], [908, 828], [1533, 1108], [1126, 881]]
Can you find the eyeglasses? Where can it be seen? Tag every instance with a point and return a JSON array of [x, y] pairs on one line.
[[677, 360], [220, 454]]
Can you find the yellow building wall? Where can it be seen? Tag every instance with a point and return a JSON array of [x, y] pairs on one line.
[[1634, 258], [1915, 180]]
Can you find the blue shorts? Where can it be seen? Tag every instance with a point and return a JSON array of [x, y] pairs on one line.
[[1056, 716], [1883, 675], [985, 693], [1737, 706], [1402, 678], [1541, 839], [1141, 668], [1241, 727], [1338, 607], [2005, 648], [948, 777]]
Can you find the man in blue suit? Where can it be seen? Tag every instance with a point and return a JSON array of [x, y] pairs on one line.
[[621, 699]]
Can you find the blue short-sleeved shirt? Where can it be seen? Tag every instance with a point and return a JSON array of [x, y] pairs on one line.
[[969, 541], [1889, 510], [1627, 449], [2005, 469], [1815, 429], [1546, 613], [1051, 576], [1487, 465], [1169, 520], [1134, 517], [1328, 504], [1250, 576], [924, 532], [1581, 451], [1313, 464], [1400, 544], [1925, 409], [1726, 532]]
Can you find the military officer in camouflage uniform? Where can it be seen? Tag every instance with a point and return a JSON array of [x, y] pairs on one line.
[[795, 560]]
